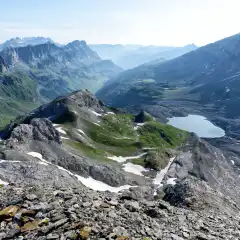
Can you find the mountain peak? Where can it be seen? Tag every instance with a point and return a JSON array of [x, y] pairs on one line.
[[81, 47], [77, 44]]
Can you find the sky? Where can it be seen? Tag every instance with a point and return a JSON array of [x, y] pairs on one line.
[[146, 22]]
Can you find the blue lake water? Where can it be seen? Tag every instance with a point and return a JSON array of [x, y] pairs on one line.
[[197, 124]]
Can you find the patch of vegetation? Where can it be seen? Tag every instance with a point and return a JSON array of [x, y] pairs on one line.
[[115, 130], [88, 151], [139, 161], [155, 134], [157, 160]]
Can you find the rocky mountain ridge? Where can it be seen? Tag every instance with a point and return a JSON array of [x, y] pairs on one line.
[[77, 169]]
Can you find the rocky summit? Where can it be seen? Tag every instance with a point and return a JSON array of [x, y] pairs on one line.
[[77, 169]]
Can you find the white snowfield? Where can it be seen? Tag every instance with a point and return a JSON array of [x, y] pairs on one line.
[[55, 124], [88, 182], [81, 131], [110, 113], [138, 125], [100, 186], [134, 168], [160, 176], [95, 113], [171, 181], [121, 159], [59, 129], [39, 156], [66, 138]]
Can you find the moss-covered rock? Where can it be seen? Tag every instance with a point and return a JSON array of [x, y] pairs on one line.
[[85, 232], [30, 226], [8, 212]]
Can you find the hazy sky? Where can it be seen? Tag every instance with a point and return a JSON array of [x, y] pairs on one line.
[[147, 22]]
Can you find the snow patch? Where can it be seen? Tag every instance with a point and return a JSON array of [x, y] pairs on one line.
[[138, 125], [95, 113], [100, 186], [233, 163], [59, 129], [66, 138], [110, 113], [81, 131], [134, 168], [97, 124], [55, 124], [171, 181], [95, 184], [39, 156], [88, 182], [124, 159], [160, 176]]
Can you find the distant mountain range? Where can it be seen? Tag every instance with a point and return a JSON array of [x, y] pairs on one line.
[[33, 74], [22, 42], [208, 75], [130, 56]]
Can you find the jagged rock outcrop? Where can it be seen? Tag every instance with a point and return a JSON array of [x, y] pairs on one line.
[[39, 129], [106, 174], [84, 98], [208, 163]]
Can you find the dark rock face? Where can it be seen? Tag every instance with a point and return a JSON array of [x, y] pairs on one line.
[[39, 129], [107, 175], [143, 117], [178, 195]]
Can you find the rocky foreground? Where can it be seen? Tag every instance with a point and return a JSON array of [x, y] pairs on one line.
[[77, 213]]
